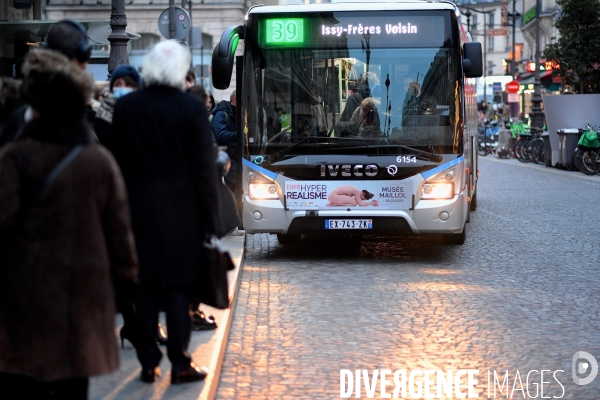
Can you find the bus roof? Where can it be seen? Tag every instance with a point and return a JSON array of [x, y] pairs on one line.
[[348, 5]]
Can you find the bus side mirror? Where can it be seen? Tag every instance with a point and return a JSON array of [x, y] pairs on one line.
[[473, 60], [223, 56]]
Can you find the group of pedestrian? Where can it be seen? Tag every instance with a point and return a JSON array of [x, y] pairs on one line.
[[97, 202]]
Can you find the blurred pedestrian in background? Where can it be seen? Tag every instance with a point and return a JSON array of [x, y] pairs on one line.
[[68, 38], [190, 78], [225, 127], [166, 150], [125, 79], [64, 235], [210, 105]]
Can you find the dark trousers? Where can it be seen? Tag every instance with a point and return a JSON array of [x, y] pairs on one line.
[[24, 387], [177, 302]]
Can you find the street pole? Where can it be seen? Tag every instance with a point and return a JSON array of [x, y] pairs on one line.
[[513, 62], [485, 43], [485, 40], [190, 34], [537, 120], [172, 19], [468, 15], [118, 38]]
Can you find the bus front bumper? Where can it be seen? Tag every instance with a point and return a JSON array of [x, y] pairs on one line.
[[428, 216]]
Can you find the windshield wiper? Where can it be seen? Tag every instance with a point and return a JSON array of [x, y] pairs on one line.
[[277, 156], [430, 156]]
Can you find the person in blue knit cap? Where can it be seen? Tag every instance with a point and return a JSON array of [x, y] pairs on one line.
[[124, 80]]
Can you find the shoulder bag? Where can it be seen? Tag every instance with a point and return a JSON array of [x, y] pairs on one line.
[[212, 288]]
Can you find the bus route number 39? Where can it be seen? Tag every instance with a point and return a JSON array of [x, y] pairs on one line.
[[285, 30], [406, 159]]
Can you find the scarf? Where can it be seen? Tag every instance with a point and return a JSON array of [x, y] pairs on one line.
[[107, 106]]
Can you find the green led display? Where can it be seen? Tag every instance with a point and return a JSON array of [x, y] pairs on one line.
[[284, 31]]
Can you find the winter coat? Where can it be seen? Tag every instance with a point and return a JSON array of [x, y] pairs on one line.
[[225, 127], [57, 255], [165, 148]]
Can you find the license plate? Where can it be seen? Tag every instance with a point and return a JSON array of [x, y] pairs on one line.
[[348, 224]]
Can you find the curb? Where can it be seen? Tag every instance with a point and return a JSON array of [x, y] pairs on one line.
[[211, 384]]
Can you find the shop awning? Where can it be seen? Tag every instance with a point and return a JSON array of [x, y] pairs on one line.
[[527, 79]]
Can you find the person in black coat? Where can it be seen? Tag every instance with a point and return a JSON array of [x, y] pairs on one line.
[[124, 80], [164, 145]]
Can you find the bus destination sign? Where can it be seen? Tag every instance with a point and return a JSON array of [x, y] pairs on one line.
[[351, 31], [369, 30]]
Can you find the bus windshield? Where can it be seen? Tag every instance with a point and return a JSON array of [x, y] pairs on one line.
[[351, 82]]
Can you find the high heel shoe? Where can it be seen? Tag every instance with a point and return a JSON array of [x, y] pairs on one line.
[[126, 333], [161, 336]]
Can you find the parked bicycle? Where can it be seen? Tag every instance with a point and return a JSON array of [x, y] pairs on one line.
[[588, 151], [533, 150], [487, 138]]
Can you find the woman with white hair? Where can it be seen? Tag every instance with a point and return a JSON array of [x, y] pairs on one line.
[[164, 145]]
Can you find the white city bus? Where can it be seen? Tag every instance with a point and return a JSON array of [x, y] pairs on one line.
[[356, 118]]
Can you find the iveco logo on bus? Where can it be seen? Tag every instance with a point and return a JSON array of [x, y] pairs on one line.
[[349, 170]]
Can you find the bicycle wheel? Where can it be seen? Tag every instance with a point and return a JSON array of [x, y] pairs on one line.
[[584, 160], [511, 148], [587, 162], [519, 150], [536, 147], [528, 150], [577, 157], [597, 163]]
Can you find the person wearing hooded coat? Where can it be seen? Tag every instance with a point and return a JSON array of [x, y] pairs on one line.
[[60, 248], [125, 79]]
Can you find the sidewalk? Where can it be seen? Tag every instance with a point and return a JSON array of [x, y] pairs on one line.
[[552, 170], [207, 348]]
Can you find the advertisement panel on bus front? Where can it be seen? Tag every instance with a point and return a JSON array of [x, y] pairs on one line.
[[327, 195]]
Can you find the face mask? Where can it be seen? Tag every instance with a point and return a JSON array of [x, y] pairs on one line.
[[121, 91]]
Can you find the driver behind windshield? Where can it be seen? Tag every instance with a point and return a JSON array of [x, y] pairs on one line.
[[365, 119]]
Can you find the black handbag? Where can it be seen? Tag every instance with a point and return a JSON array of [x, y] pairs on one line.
[[228, 218], [213, 288]]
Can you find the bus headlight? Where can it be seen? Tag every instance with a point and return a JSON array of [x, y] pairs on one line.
[[263, 191], [437, 191]]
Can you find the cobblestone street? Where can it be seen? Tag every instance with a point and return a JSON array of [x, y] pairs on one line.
[[521, 294]]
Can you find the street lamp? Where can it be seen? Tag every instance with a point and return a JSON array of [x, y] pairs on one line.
[[468, 15], [537, 120], [118, 38], [513, 16]]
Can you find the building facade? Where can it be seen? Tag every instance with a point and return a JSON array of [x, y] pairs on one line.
[[492, 23]]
